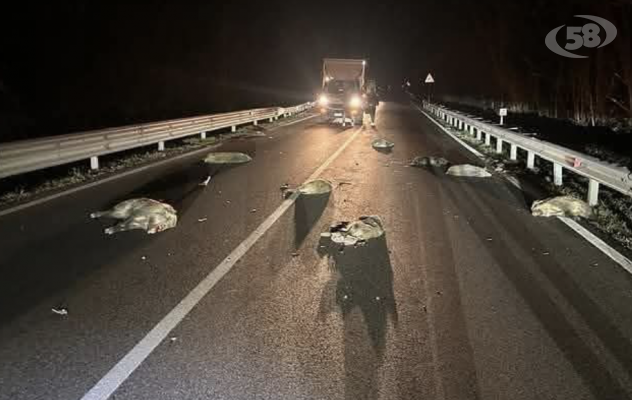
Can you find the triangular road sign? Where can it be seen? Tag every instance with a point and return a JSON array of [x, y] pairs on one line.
[[430, 79]]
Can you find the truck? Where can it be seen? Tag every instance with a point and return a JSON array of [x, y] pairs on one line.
[[341, 97]]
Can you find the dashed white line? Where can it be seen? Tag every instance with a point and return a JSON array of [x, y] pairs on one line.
[[107, 385]]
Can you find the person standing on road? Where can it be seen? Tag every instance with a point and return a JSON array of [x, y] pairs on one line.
[[372, 101]]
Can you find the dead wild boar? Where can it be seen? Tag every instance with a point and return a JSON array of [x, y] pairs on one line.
[[150, 215]]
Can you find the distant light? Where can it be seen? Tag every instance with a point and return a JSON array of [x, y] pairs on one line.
[[323, 100], [363, 62]]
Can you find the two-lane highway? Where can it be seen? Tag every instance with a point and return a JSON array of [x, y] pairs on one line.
[[466, 297]]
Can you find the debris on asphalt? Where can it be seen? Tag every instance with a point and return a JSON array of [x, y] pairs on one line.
[[150, 215], [227, 158], [296, 254], [143, 258], [59, 310], [382, 144], [356, 232], [545, 253], [254, 210], [227, 201], [424, 162], [285, 187], [173, 339], [206, 181], [489, 239], [561, 206], [425, 309], [467, 170], [202, 219]]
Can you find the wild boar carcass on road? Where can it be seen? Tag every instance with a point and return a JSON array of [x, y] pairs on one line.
[[147, 214]]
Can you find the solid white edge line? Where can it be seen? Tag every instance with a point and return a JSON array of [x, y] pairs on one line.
[[453, 136], [115, 377], [591, 238], [617, 257], [123, 174]]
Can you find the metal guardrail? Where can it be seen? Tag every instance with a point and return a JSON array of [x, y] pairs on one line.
[[597, 171], [31, 155]]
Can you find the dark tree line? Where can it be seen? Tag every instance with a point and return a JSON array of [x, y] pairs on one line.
[[527, 77]]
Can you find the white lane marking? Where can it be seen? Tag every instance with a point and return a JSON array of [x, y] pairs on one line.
[[453, 136], [128, 364], [125, 173], [617, 257], [606, 249]]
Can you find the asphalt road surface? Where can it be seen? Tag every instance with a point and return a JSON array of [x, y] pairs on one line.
[[466, 296]]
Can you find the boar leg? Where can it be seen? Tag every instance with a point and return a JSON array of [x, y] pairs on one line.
[[127, 225]]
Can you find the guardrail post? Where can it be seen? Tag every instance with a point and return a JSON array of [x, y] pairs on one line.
[[461, 125], [557, 174], [488, 139], [271, 119], [593, 192], [161, 146], [256, 122], [94, 162], [479, 135], [233, 128], [203, 135], [499, 145], [531, 160], [471, 130], [513, 155]]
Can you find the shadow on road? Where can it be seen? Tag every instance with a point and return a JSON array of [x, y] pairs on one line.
[[384, 151], [307, 211], [363, 295]]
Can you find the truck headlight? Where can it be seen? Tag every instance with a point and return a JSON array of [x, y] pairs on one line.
[[356, 102], [323, 100]]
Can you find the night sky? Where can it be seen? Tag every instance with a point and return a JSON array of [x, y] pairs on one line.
[[80, 65]]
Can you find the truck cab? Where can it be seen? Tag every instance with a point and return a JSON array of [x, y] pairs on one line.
[[341, 98]]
